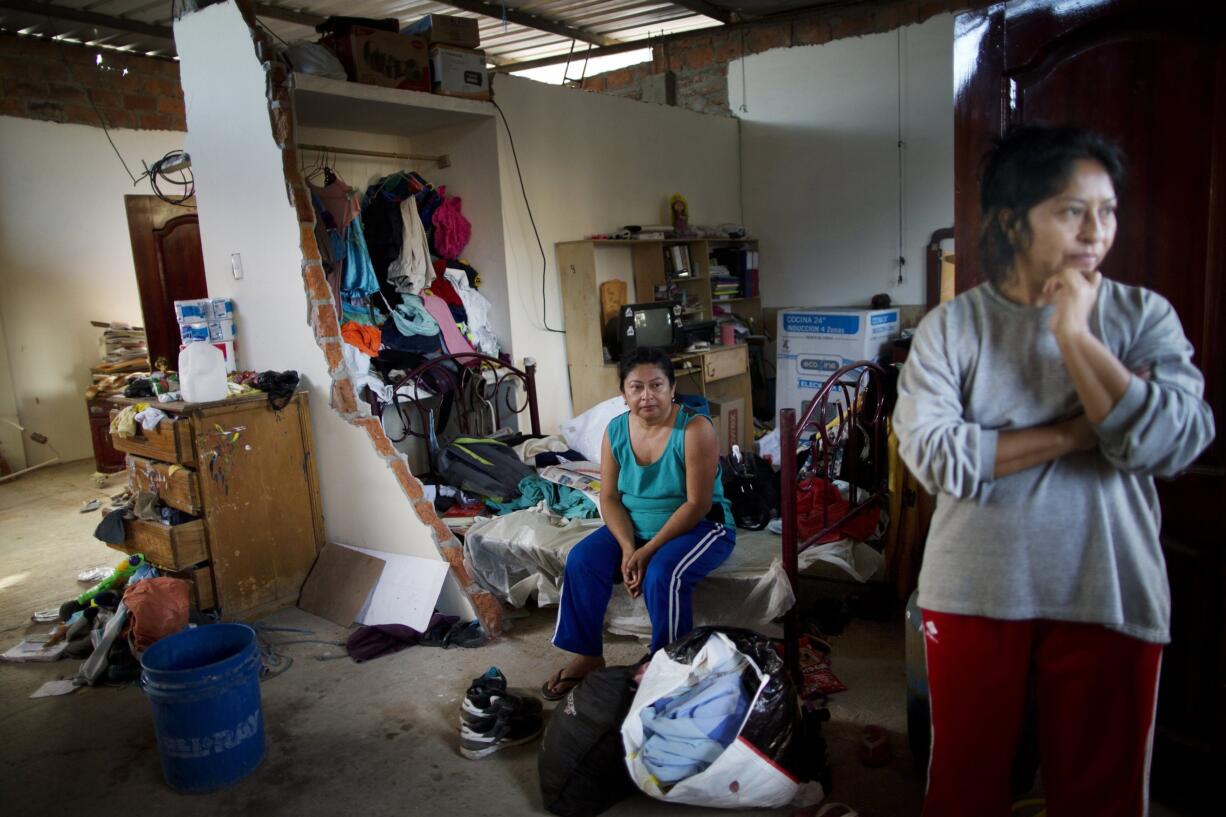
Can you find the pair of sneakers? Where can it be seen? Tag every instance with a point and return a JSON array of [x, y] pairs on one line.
[[493, 717]]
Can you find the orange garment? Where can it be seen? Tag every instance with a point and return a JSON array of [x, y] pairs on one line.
[[364, 337]]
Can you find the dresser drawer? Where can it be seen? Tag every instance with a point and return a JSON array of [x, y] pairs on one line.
[[175, 485], [717, 365], [171, 441], [202, 594], [170, 546]]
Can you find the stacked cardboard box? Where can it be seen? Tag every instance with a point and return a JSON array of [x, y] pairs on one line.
[[208, 320]]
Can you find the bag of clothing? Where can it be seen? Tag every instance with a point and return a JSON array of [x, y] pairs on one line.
[[716, 722], [582, 765], [751, 487], [482, 466], [159, 607]]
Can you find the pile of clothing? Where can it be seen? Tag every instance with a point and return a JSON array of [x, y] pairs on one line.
[[393, 260]]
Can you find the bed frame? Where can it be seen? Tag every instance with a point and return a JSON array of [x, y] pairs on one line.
[[862, 386], [451, 373]]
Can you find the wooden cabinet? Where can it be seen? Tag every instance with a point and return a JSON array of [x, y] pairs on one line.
[[248, 473], [107, 460]]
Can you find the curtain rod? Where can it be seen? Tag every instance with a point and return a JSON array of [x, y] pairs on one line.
[[442, 161]]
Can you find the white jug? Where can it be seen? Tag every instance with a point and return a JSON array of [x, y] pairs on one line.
[[202, 373]]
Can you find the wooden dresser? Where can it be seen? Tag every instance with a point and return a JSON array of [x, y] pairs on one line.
[[248, 473]]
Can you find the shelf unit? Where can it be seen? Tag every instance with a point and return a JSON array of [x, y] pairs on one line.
[[651, 271]]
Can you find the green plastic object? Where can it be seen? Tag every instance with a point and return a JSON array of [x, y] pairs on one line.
[[121, 573]]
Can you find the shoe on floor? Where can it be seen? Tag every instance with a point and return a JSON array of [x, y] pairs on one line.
[[511, 724], [471, 713]]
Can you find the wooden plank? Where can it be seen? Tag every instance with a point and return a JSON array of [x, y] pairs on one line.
[[259, 500], [175, 486], [200, 579], [170, 546], [340, 583], [647, 260], [612, 299], [170, 442], [720, 363], [581, 310]]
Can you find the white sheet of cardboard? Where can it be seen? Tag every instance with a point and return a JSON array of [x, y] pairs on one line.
[[406, 592]]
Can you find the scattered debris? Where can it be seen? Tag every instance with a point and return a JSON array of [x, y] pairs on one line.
[[94, 574], [53, 688], [91, 505]]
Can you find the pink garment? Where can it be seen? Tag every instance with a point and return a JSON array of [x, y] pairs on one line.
[[340, 201], [451, 229], [453, 341]]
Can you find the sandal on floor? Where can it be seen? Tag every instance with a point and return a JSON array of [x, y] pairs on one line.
[[562, 685]]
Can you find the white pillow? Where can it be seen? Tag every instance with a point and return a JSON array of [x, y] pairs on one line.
[[585, 433]]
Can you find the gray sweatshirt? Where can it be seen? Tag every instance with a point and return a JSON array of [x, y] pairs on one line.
[[1074, 539]]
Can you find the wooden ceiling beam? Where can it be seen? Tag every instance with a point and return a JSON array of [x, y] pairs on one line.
[[89, 18], [529, 20]]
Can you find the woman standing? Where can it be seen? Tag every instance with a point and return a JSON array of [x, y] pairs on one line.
[[1038, 407], [667, 523]]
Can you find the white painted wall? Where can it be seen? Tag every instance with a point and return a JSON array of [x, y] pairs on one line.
[[243, 208], [11, 446], [65, 259], [820, 163], [594, 163]]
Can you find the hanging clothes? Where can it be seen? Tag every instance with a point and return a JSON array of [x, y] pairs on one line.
[[411, 271], [340, 200], [453, 341], [477, 307], [359, 274], [412, 318], [451, 229]]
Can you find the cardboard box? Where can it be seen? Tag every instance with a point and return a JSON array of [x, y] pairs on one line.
[[459, 72], [221, 330], [382, 58], [194, 311], [446, 29], [814, 343], [193, 332], [729, 416]]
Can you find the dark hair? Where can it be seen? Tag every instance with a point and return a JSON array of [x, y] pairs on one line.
[[1028, 164], [647, 356]]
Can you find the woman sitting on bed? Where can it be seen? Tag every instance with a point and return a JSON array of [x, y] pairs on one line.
[[667, 523]]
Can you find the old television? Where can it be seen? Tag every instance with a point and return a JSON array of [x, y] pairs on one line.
[[638, 326]]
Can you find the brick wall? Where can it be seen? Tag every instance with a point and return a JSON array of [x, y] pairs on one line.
[[699, 60], [49, 80]]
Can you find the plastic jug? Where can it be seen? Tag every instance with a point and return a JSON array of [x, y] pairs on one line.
[[202, 373]]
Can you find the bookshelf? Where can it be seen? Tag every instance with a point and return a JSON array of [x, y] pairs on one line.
[[722, 279]]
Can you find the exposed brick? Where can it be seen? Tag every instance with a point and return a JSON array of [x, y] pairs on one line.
[[333, 354], [81, 115], [310, 250], [891, 16], [171, 105], [374, 430], [140, 102], [410, 484], [106, 99], [676, 62], [316, 282], [489, 613], [282, 126], [303, 207], [14, 67], [159, 121], [617, 79], [597, 84], [50, 71], [11, 106], [455, 557], [811, 32], [764, 38], [29, 88], [344, 400], [119, 119], [730, 49], [699, 58], [291, 167], [853, 25], [323, 321]]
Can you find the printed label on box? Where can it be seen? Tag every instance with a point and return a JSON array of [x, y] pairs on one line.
[[821, 324]]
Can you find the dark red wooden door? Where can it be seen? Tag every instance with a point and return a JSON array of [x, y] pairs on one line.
[[1153, 76], [169, 267]]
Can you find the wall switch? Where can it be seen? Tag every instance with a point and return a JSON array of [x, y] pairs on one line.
[[236, 265]]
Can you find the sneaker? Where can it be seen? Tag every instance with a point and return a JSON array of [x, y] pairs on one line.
[[484, 693], [510, 725]]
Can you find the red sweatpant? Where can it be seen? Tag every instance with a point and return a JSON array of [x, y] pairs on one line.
[[1095, 690]]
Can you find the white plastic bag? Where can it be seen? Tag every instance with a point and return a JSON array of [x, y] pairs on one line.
[[742, 776]]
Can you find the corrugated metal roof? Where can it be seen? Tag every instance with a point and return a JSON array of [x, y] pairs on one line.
[[143, 26]]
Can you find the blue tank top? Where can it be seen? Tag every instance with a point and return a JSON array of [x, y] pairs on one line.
[[651, 493]]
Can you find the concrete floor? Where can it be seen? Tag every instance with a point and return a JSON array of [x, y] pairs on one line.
[[371, 739]]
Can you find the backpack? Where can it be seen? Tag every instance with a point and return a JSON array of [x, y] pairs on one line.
[[482, 466], [582, 765], [751, 487]]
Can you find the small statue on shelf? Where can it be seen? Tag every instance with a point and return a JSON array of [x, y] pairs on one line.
[[680, 212]]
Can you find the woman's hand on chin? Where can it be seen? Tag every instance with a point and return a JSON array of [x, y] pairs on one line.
[[1074, 293]]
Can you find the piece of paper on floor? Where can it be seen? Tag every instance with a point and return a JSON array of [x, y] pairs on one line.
[[406, 592], [51, 688]]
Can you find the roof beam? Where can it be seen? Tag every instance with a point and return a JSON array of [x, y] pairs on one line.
[[89, 18], [707, 10], [272, 12], [524, 18]]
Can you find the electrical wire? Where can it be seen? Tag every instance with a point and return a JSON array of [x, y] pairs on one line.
[[186, 180], [902, 259], [524, 191]]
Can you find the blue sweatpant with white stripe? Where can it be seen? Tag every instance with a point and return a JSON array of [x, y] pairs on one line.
[[595, 563]]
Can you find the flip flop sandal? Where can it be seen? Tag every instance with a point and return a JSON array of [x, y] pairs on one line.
[[562, 684]]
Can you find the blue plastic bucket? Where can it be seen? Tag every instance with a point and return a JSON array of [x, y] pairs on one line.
[[204, 687]]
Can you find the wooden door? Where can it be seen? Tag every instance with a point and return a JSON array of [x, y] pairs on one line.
[[1153, 76], [169, 267]]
